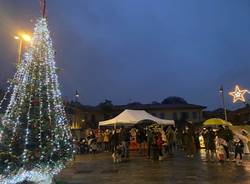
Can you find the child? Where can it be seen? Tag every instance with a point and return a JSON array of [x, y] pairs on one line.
[[220, 153], [220, 149], [239, 145]]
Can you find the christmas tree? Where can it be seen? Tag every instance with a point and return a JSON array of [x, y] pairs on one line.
[[35, 139]]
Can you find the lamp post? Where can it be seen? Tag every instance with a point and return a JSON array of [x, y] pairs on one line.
[[76, 109], [21, 38], [223, 102], [77, 96]]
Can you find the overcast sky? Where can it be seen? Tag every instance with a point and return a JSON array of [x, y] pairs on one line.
[[143, 50]]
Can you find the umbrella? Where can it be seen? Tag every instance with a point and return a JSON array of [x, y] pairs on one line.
[[216, 121], [241, 137], [245, 131]]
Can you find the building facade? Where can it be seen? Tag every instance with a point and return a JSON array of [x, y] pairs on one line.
[[82, 117]]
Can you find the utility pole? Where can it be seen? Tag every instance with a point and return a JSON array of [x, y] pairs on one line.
[[223, 102]]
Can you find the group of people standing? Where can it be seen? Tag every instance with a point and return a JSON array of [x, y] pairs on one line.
[[221, 142], [158, 142], [114, 139], [104, 141], [151, 143]]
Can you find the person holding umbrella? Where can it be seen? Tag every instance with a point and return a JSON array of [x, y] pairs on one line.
[[227, 135], [244, 137], [239, 146]]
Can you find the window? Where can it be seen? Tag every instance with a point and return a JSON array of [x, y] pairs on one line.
[[184, 115], [194, 115], [93, 120], [86, 117], [175, 116], [162, 115]]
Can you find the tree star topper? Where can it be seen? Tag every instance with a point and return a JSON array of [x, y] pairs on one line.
[[238, 94]]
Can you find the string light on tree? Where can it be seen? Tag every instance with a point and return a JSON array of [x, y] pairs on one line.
[[238, 94], [35, 140]]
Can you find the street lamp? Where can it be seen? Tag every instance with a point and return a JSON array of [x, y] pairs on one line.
[[21, 38], [82, 124], [223, 102], [77, 96]]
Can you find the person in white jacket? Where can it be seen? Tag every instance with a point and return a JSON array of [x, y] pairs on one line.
[[244, 138]]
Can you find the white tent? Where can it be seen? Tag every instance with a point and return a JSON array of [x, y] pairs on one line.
[[131, 117]]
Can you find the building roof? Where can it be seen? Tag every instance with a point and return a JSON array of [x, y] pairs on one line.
[[159, 106], [138, 106], [245, 109]]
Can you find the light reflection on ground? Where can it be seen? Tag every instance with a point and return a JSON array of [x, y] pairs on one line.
[[88, 169]]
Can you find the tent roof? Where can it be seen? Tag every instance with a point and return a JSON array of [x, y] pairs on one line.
[[131, 117]]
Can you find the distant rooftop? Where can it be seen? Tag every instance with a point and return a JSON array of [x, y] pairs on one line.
[[138, 106], [160, 106]]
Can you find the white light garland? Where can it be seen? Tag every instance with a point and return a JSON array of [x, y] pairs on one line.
[[36, 113], [39, 176]]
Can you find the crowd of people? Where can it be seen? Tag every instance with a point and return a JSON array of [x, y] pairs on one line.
[[220, 143], [108, 140], [157, 143]]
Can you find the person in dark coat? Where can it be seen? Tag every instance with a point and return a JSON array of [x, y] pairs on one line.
[[141, 139], [125, 139], [150, 141], [189, 142], [211, 144], [227, 135], [114, 140], [239, 146], [154, 148], [170, 134], [197, 141]]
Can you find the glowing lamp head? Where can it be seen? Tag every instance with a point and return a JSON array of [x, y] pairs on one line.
[[77, 94], [26, 37], [221, 89]]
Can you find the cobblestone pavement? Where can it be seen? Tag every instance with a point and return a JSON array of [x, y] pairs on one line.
[[90, 169]]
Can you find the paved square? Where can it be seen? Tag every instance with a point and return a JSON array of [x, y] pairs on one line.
[[90, 169]]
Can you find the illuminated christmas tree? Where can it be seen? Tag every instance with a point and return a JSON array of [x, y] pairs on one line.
[[35, 139]]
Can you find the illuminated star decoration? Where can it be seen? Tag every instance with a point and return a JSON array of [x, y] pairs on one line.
[[238, 94]]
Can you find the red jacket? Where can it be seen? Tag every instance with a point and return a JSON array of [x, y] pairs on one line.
[[159, 142]]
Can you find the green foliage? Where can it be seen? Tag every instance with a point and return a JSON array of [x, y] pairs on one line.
[[134, 104], [174, 100], [8, 159], [106, 106], [1, 93], [155, 103]]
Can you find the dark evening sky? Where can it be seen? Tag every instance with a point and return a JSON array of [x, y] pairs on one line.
[[143, 50]]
